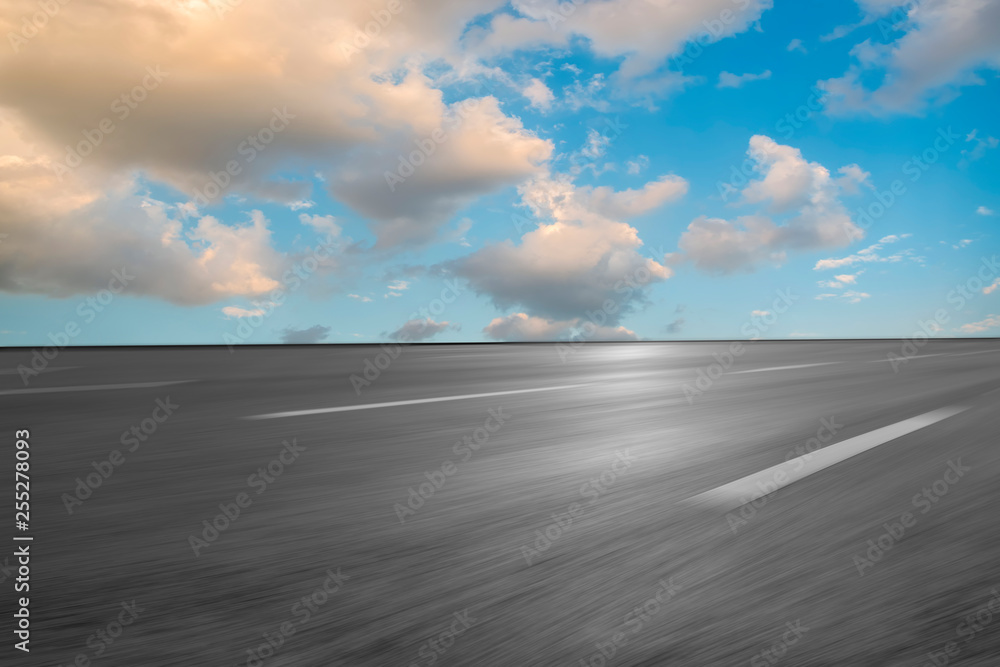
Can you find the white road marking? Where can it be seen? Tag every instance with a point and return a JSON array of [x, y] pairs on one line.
[[965, 354], [784, 368], [92, 387], [922, 356], [766, 482], [416, 401]]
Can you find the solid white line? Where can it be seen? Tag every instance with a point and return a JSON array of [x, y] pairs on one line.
[[965, 354], [922, 356], [416, 401], [768, 481], [784, 368], [92, 387]]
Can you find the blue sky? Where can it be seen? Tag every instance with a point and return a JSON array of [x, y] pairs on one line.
[[620, 171]]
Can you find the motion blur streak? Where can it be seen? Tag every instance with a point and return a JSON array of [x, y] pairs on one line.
[[791, 560]]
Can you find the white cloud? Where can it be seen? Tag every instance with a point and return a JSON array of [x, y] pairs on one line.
[[237, 312], [853, 176], [362, 299], [629, 203], [849, 296], [573, 263], [538, 94], [962, 244], [637, 165], [349, 116], [618, 333], [396, 288], [760, 313], [790, 185], [840, 281], [982, 210], [521, 327], [796, 45], [989, 289], [945, 42], [991, 322], [483, 150], [644, 34], [979, 148], [729, 80], [867, 255]]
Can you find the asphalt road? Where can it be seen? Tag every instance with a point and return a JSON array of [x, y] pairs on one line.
[[575, 503]]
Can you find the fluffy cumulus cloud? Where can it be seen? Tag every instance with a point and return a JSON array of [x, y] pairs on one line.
[[68, 237], [420, 330], [410, 187], [803, 193], [943, 46], [258, 100], [578, 260]]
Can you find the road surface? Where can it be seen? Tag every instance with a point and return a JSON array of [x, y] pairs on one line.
[[511, 505]]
